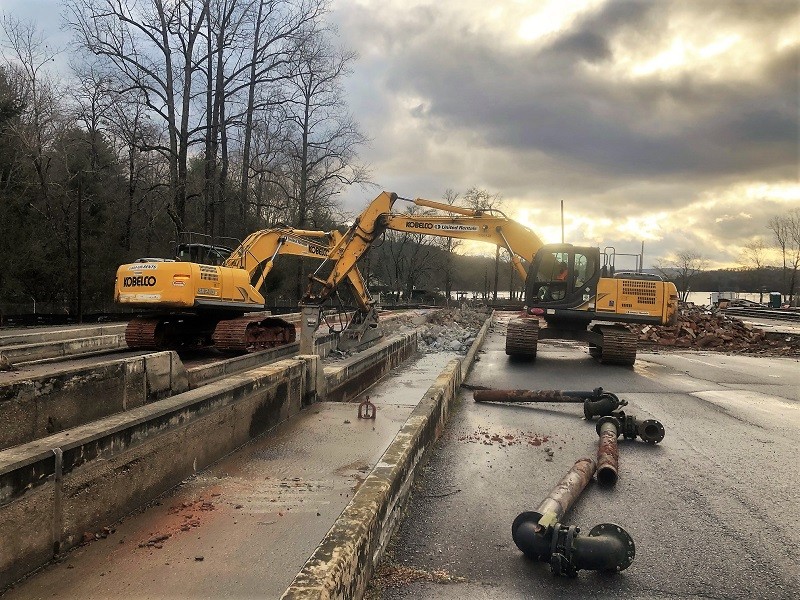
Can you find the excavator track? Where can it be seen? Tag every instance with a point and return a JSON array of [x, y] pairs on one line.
[[522, 336], [143, 334], [618, 348], [246, 334]]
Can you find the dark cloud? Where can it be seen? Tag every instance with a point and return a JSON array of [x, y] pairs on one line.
[[584, 45], [522, 98]]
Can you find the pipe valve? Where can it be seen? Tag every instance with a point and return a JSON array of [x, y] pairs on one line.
[[650, 430]]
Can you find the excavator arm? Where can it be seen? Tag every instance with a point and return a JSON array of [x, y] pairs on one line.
[[469, 224], [520, 241], [257, 253]]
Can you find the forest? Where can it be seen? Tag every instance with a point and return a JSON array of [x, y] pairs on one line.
[[218, 117]]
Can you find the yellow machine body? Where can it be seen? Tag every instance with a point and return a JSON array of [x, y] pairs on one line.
[[185, 285], [636, 299]]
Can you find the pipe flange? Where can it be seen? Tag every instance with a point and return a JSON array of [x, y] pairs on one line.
[[562, 548], [624, 538], [651, 431], [608, 419]]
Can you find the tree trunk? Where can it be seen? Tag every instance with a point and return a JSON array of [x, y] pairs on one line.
[[248, 125]]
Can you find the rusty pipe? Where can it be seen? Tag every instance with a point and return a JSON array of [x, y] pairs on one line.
[[557, 504], [541, 535], [524, 396], [595, 403], [607, 451]]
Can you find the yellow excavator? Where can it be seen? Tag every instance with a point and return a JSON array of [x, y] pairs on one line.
[[201, 297], [573, 289]]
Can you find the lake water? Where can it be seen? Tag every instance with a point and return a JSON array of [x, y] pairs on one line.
[[704, 298]]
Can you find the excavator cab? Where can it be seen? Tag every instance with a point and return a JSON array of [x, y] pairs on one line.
[[563, 276], [203, 249]]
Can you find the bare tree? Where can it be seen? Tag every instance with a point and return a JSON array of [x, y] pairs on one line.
[[786, 230], [405, 261], [152, 47], [481, 199], [29, 58], [276, 27], [12, 105], [753, 255], [131, 132], [325, 139], [449, 246], [683, 270]]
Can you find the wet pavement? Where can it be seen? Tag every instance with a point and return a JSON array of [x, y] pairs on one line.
[[713, 509]]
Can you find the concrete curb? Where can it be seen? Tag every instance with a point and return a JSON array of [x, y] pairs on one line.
[[39, 406], [59, 335], [342, 564]]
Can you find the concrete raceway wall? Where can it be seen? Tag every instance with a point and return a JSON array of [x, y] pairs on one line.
[[55, 488]]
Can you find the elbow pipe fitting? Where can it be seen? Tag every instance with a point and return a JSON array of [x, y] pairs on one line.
[[607, 547], [650, 430], [605, 404]]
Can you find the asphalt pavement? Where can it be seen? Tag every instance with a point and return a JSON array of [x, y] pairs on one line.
[[713, 509]]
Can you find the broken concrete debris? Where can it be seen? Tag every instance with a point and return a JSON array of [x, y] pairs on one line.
[[697, 328], [446, 329]]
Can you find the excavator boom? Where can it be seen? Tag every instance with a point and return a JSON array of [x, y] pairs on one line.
[[564, 283]]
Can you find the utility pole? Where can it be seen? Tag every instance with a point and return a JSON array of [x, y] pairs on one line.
[[496, 271], [641, 259], [562, 221]]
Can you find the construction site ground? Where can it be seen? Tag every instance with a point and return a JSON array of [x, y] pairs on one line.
[[713, 509]]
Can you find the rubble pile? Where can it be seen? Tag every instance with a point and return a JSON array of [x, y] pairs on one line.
[[448, 329], [700, 329]]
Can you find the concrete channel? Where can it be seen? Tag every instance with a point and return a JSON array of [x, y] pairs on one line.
[[155, 430]]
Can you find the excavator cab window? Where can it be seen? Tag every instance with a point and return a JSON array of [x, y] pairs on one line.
[[562, 275], [203, 254], [552, 276]]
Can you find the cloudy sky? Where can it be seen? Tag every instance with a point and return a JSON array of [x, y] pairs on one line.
[[669, 121], [673, 122]]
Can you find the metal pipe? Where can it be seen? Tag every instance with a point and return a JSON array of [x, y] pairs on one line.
[[596, 403], [541, 536], [524, 396], [553, 508], [605, 405], [607, 451], [650, 430]]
